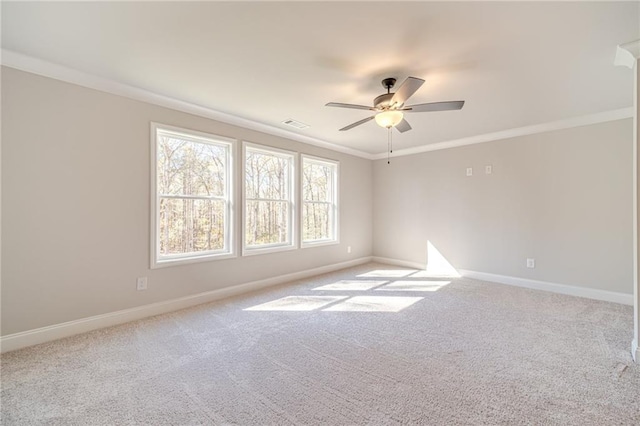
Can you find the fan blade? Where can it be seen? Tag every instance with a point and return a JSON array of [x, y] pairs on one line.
[[403, 126], [435, 106], [357, 123], [339, 105], [406, 89]]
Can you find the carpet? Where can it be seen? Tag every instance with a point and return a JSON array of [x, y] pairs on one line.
[[372, 344]]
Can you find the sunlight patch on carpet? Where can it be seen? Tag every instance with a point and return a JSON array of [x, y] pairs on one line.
[[391, 273], [374, 304], [297, 303], [414, 286], [352, 285]]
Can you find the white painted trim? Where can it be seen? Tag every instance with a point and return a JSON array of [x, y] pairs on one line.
[[37, 66], [586, 120], [636, 307], [271, 248], [627, 54], [635, 351], [294, 216], [33, 65], [193, 135], [414, 265], [335, 205], [398, 262], [319, 243], [589, 293], [58, 331]]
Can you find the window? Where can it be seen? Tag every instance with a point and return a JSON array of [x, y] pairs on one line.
[[191, 196], [319, 201], [268, 199]]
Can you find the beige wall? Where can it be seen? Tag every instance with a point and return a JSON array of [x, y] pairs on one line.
[[562, 197], [75, 200], [75, 206]]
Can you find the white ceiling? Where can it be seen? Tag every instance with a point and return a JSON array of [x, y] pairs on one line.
[[515, 64]]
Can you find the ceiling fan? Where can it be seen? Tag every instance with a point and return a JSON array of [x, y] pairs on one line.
[[390, 107]]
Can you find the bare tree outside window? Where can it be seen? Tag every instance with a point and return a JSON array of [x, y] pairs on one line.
[[268, 198], [318, 200], [192, 211], [192, 179]]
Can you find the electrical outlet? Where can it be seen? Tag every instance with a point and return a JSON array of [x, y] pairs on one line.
[[531, 263], [348, 249], [141, 283], [469, 171], [488, 170]]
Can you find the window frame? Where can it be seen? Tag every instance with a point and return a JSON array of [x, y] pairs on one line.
[[335, 204], [229, 251], [293, 202]]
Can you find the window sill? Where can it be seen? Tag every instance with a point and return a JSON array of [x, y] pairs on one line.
[[319, 243], [266, 250], [191, 259]]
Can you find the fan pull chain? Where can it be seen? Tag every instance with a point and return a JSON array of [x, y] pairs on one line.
[[389, 146]]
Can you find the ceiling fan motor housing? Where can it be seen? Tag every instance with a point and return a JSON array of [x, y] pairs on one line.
[[383, 101], [389, 108]]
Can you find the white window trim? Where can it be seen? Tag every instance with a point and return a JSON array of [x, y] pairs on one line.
[[179, 259], [293, 204], [336, 204]]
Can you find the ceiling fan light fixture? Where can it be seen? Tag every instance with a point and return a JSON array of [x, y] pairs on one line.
[[389, 106], [388, 119]]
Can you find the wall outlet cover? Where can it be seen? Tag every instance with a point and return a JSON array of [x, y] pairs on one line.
[[141, 283]]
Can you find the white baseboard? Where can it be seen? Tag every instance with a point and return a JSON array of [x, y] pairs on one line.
[[589, 293], [635, 351], [449, 272], [53, 332], [398, 262]]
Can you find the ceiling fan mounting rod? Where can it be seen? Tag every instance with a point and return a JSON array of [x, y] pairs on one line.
[[388, 83]]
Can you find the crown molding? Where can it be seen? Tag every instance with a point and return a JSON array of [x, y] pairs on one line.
[[627, 54], [585, 120], [44, 68]]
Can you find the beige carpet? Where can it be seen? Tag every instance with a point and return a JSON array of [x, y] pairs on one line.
[[372, 344]]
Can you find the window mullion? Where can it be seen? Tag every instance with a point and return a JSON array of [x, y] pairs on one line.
[[192, 197], [268, 199]]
